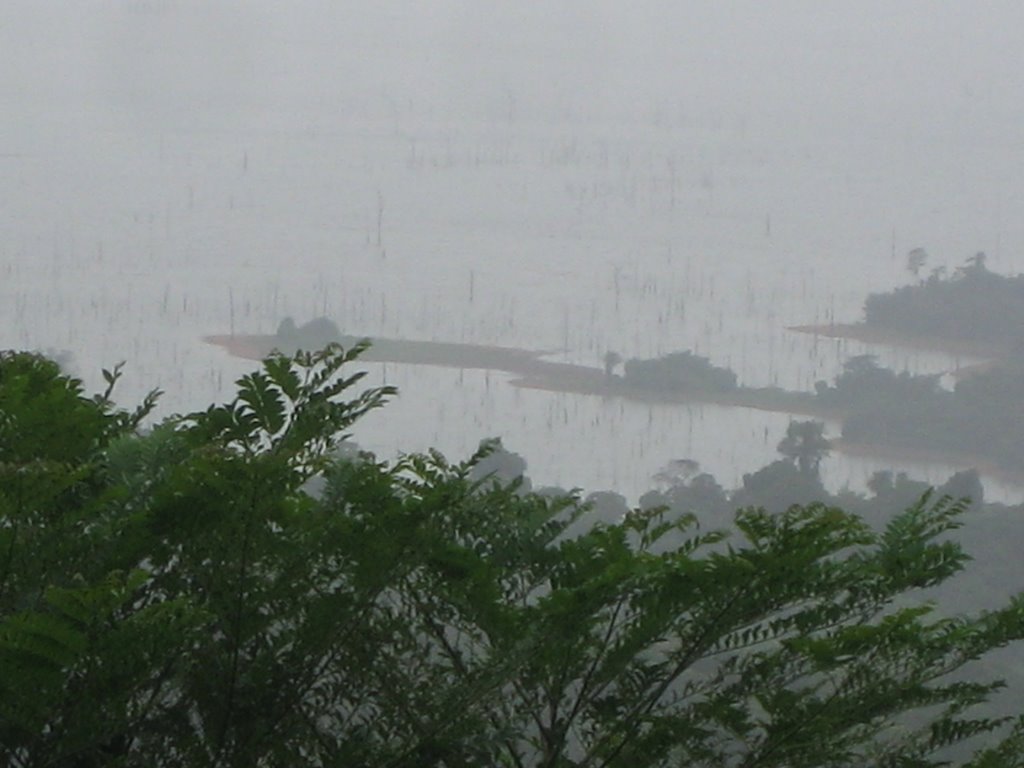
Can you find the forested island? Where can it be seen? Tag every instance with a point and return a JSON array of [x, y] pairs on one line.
[[971, 311], [972, 304]]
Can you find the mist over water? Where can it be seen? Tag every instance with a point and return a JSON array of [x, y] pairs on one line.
[[578, 179]]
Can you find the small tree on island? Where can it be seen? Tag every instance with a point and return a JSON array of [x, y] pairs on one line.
[[806, 445], [611, 361], [916, 259], [178, 598]]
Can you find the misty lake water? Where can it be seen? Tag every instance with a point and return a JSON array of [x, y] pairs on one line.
[[576, 181]]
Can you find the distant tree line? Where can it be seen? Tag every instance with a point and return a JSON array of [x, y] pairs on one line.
[[972, 304], [982, 416], [794, 478]]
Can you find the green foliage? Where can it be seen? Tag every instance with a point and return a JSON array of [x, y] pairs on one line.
[[44, 415], [179, 598]]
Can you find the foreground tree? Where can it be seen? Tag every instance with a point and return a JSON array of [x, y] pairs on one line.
[[179, 598]]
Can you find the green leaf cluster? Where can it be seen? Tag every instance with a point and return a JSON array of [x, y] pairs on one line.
[[181, 597]]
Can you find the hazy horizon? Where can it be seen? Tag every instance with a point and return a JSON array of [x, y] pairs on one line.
[[643, 179]]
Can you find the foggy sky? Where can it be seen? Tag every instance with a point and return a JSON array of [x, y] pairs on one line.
[[156, 155], [878, 65]]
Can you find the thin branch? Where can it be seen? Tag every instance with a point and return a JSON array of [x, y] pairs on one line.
[[584, 695], [642, 707]]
